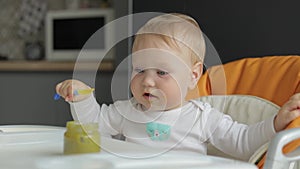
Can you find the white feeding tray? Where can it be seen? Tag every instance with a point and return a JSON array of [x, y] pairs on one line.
[[27, 128], [41, 147]]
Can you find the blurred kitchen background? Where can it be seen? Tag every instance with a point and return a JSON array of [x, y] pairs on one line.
[[27, 79], [15, 33]]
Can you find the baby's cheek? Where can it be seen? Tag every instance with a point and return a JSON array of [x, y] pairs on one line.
[[133, 85], [174, 96]]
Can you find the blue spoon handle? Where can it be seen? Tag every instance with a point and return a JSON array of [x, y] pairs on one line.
[[56, 96], [76, 92]]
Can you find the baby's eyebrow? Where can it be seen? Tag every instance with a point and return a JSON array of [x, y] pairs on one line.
[[158, 65], [164, 65]]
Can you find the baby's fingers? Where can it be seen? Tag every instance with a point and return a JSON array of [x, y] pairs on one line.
[[293, 115], [287, 114], [292, 104], [65, 90], [293, 110], [57, 88], [295, 97], [69, 95]]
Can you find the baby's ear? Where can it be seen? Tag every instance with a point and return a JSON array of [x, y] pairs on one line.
[[196, 72]]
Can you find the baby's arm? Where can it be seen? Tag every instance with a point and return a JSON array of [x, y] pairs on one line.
[[67, 87], [85, 108], [288, 112], [107, 116], [241, 141], [237, 139]]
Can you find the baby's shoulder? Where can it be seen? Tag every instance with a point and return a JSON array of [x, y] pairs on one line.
[[207, 111], [204, 106]]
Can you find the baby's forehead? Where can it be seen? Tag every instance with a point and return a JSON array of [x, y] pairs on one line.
[[157, 58]]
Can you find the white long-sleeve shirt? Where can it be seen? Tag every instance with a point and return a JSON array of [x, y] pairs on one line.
[[192, 126]]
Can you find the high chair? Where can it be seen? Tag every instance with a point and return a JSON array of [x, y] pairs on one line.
[[258, 85], [274, 78]]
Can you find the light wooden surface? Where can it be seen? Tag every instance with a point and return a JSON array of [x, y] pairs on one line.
[[23, 65]]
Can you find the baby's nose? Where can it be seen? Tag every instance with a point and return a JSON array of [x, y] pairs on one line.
[[149, 78]]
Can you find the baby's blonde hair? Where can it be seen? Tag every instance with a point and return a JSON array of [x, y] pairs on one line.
[[177, 30]]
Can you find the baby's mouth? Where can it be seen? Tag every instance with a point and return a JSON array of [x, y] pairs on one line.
[[149, 96]]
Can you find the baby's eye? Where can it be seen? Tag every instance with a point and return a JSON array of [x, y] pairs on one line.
[[162, 73], [139, 70]]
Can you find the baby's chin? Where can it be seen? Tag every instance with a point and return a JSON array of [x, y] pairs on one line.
[[152, 108]]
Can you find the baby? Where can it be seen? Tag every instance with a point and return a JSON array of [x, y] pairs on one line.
[[167, 61]]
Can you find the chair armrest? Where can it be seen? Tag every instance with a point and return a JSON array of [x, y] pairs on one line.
[[275, 158]]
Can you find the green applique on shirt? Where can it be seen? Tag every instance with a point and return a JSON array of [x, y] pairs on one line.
[[157, 131]]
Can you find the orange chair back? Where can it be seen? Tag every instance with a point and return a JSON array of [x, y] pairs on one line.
[[275, 78]]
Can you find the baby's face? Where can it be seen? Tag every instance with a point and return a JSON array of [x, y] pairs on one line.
[[160, 76]]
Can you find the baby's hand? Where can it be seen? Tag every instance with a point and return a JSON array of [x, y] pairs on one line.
[[288, 112], [66, 88]]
